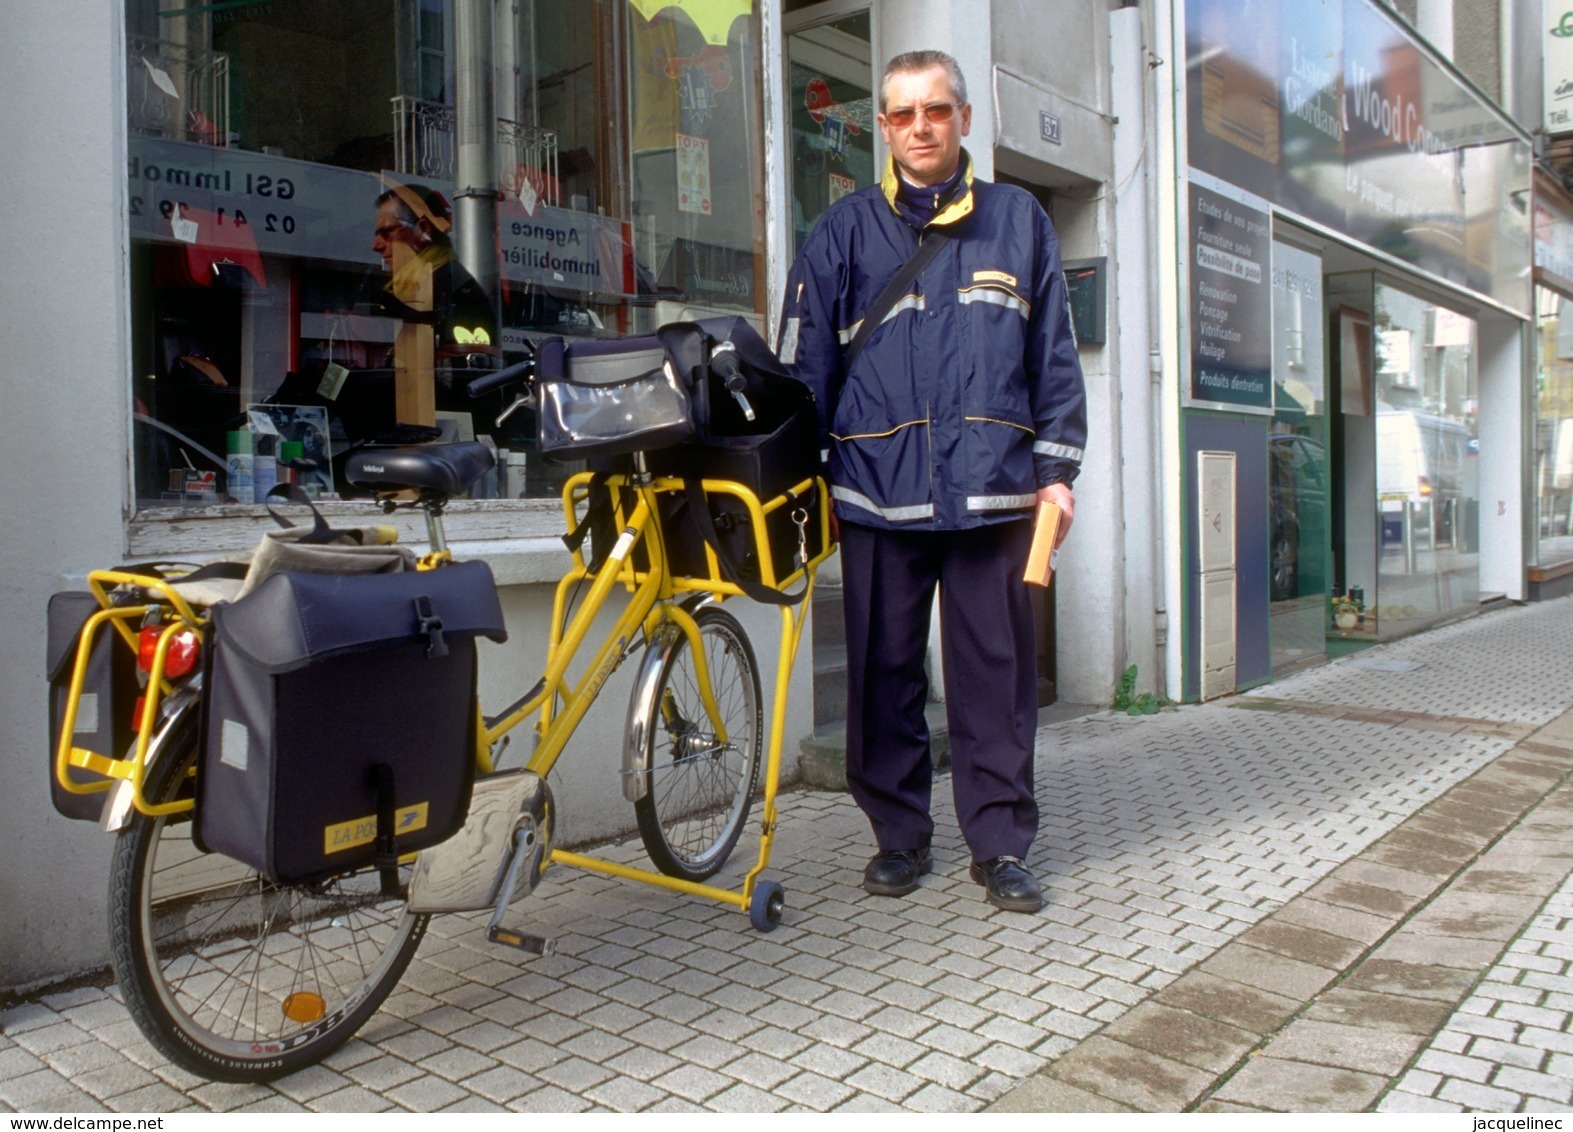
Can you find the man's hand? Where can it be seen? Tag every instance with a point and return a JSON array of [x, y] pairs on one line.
[[1061, 494]]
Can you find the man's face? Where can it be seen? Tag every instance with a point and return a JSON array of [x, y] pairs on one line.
[[924, 150], [394, 240]]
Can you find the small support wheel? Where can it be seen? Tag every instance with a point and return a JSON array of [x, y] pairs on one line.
[[769, 902]]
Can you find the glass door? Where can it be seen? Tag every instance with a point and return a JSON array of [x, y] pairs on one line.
[[1427, 461], [830, 77], [1297, 461], [1554, 428]]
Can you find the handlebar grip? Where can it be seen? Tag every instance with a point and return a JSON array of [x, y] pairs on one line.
[[725, 365], [519, 371]]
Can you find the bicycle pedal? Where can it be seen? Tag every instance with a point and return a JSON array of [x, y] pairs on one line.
[[522, 941]]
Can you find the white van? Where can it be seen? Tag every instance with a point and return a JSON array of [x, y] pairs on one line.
[[1419, 458]]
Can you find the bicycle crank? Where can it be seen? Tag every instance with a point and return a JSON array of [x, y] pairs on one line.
[[499, 855]]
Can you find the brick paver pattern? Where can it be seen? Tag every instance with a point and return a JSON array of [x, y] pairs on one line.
[[1508, 1048], [1161, 839]]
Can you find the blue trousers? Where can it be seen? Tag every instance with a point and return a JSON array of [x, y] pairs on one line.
[[990, 663]]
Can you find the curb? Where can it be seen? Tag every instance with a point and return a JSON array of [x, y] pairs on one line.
[[1324, 1004]]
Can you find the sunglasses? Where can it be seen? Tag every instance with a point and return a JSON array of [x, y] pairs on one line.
[[935, 112]]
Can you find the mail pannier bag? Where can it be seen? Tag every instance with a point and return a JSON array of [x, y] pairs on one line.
[[340, 718], [768, 441], [104, 709], [604, 398]]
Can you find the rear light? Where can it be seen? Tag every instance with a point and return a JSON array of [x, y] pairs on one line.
[[1425, 486], [183, 652]]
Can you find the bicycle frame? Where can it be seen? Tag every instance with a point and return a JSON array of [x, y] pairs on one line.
[[652, 603], [133, 769]]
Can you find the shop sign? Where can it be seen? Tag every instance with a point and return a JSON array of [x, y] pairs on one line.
[[564, 249], [248, 201], [1299, 377], [1556, 52], [240, 204], [1231, 302], [1331, 110]]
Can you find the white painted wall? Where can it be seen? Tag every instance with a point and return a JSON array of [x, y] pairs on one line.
[[1504, 463], [1132, 297], [63, 436]]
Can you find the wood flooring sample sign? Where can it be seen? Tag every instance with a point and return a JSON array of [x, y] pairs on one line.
[[1231, 302]]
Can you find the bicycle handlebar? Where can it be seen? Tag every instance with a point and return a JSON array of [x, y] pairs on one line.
[[725, 365], [519, 371]]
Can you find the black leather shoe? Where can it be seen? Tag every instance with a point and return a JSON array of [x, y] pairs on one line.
[[895, 872], [1008, 884]]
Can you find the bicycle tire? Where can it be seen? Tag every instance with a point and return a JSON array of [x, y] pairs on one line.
[[699, 792], [212, 958]]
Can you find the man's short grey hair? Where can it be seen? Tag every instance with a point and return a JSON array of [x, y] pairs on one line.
[[910, 61]]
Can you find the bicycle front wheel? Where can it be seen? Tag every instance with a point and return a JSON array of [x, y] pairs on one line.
[[228, 974], [699, 789]]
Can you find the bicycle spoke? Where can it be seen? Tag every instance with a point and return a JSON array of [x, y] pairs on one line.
[[213, 952]]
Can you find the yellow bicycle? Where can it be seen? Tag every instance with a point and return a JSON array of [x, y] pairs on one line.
[[239, 978]]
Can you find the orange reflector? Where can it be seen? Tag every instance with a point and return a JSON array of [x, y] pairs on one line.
[[304, 1006]]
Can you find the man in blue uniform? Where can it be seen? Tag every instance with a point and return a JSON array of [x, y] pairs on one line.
[[962, 409]]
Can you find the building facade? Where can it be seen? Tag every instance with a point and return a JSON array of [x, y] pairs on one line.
[[1315, 280]]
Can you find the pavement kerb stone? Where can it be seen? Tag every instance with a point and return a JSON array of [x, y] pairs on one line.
[[1390, 961]]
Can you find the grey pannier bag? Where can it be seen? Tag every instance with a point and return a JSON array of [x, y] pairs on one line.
[[340, 719]]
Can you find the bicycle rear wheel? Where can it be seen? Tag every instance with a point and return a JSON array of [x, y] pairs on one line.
[[229, 975], [700, 789]]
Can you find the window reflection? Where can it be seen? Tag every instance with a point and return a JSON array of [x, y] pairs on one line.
[[1298, 497], [1554, 428], [328, 210], [833, 116], [1427, 461]]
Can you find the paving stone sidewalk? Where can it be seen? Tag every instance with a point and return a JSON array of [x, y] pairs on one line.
[[1338, 859]]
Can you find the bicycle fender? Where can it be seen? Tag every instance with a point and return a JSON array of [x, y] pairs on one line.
[[176, 708], [641, 701]]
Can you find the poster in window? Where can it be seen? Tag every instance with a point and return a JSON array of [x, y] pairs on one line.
[[299, 442], [693, 174]]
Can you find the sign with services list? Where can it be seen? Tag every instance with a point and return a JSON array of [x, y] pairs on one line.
[[1231, 302]]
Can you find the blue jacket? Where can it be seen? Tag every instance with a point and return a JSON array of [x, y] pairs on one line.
[[969, 396]]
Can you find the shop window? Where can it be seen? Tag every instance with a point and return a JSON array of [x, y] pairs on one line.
[[335, 226], [1554, 427], [1427, 462], [834, 106]]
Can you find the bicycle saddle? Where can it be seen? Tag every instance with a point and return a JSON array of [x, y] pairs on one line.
[[447, 469]]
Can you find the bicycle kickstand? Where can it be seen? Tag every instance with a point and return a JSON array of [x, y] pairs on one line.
[[523, 843]]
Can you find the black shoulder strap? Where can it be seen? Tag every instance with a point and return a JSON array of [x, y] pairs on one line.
[[320, 531], [699, 515], [928, 248]]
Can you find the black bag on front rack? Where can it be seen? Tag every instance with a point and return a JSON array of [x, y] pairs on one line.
[[600, 398], [104, 711], [340, 720], [770, 454]]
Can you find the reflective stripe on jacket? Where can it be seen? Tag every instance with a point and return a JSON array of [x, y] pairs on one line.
[[968, 397]]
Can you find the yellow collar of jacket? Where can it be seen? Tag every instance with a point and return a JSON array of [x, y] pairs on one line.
[[952, 212]]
